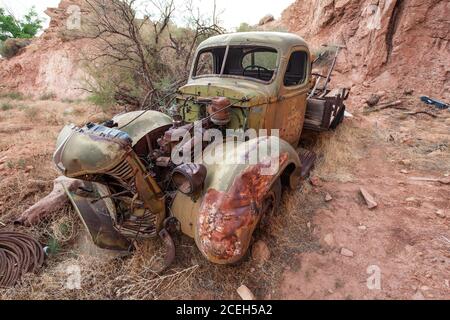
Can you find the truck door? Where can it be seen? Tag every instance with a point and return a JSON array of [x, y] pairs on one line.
[[288, 114]]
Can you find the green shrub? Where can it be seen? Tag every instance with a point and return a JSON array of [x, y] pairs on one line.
[[7, 106], [245, 27], [102, 99], [23, 28], [53, 246], [13, 96]]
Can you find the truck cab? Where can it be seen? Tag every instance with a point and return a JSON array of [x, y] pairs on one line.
[[268, 75]]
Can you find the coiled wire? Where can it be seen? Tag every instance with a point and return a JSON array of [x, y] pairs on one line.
[[19, 254]]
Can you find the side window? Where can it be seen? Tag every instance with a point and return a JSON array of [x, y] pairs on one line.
[[296, 70], [205, 64]]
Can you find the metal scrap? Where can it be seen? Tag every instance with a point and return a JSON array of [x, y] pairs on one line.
[[19, 254], [433, 102]]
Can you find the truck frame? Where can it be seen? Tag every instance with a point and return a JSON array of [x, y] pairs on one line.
[[134, 189]]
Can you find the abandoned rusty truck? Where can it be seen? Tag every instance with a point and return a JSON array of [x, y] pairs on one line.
[[132, 189]]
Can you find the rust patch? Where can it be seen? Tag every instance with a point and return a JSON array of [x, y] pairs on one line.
[[227, 219]]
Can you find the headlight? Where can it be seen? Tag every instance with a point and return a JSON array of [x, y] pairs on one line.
[[189, 178]]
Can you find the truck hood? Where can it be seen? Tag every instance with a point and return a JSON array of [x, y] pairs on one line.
[[232, 88]]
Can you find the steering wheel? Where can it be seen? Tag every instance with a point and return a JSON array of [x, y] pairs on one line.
[[254, 66]]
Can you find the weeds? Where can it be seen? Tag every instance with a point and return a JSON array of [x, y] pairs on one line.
[[31, 113], [10, 164], [338, 151], [21, 164], [7, 106], [47, 96], [53, 247], [13, 96]]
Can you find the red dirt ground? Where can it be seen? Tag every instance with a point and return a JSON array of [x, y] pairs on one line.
[[407, 236]]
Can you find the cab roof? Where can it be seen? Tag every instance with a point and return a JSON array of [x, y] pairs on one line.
[[280, 40]]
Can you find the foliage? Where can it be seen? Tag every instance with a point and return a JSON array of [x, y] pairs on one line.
[[7, 106], [25, 28], [245, 27], [139, 62], [13, 95]]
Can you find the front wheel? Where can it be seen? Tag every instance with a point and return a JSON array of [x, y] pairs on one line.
[[271, 202]]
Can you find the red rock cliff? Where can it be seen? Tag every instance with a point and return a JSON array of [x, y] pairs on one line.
[[393, 44], [51, 64]]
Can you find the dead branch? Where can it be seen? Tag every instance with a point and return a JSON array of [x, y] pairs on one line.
[[421, 112], [134, 50], [393, 105], [54, 202], [445, 181]]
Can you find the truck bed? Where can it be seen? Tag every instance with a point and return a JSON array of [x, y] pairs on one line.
[[325, 111]]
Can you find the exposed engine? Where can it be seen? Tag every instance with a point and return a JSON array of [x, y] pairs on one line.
[[140, 177]]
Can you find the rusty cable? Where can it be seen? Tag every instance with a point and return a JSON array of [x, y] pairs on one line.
[[19, 254]]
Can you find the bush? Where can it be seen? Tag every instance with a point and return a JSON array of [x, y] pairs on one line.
[[13, 96], [7, 106], [25, 28], [11, 47], [48, 96], [245, 27]]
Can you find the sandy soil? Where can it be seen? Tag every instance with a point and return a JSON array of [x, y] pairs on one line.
[[406, 237]]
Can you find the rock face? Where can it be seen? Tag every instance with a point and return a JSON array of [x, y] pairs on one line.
[[51, 63], [266, 19], [393, 44]]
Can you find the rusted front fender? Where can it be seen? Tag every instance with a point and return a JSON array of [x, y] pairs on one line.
[[222, 221]]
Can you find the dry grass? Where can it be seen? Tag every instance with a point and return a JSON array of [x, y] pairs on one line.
[[191, 277], [338, 151], [133, 277], [116, 278], [422, 141]]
